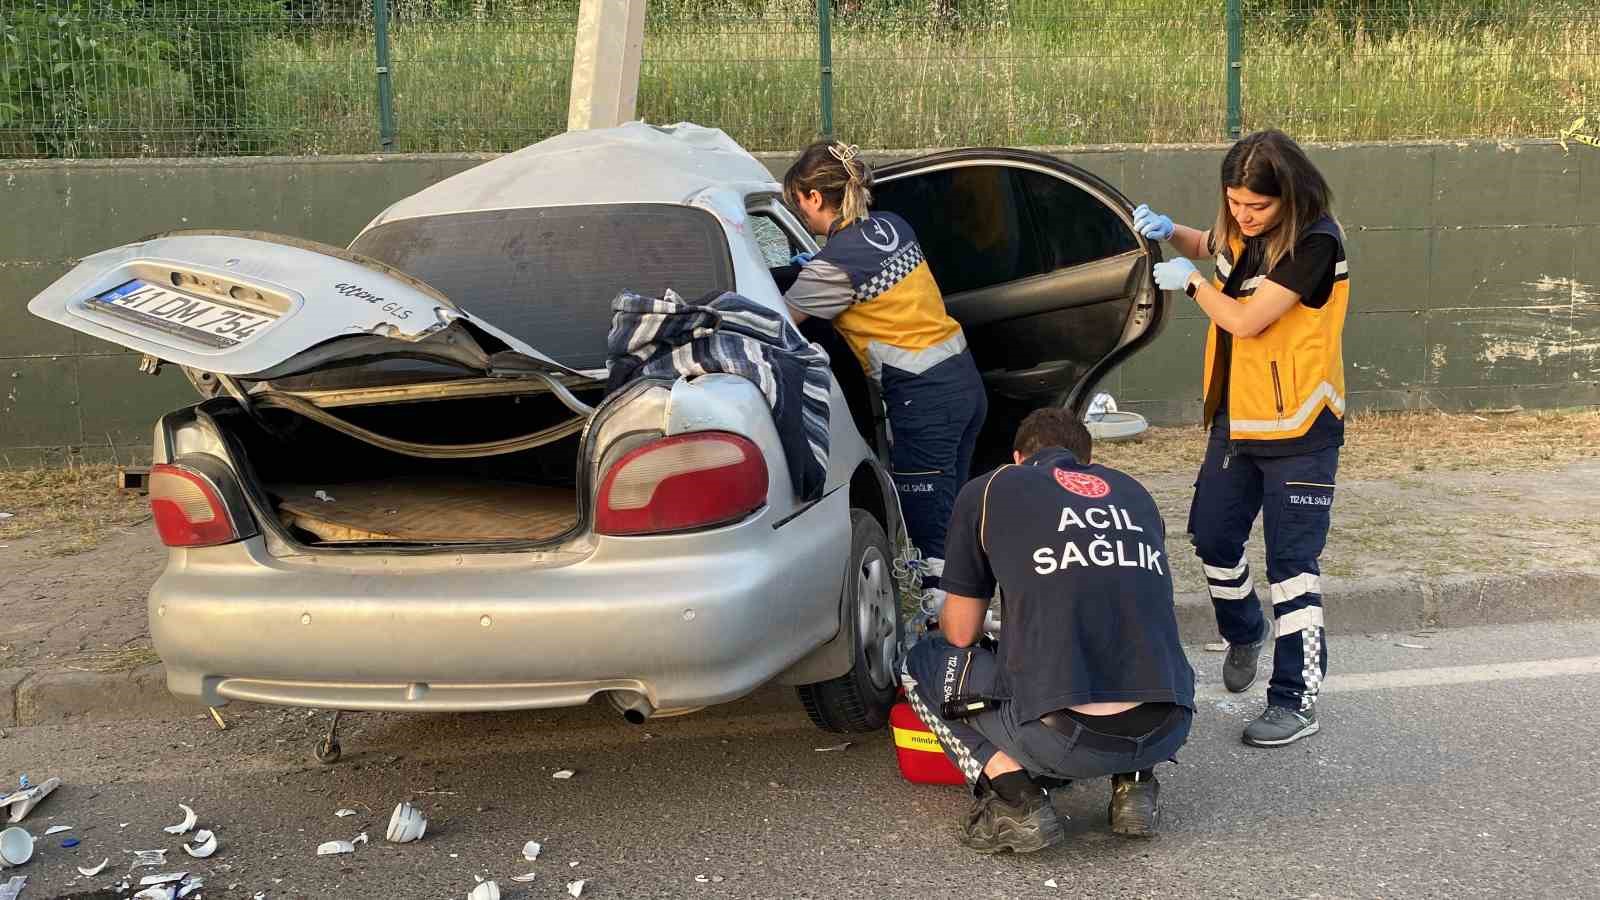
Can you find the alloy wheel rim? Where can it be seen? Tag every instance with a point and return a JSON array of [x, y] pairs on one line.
[[876, 617]]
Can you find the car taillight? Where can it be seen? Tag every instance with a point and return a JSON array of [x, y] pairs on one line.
[[683, 482], [188, 509]]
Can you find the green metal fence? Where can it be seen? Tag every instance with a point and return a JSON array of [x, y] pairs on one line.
[[104, 78]]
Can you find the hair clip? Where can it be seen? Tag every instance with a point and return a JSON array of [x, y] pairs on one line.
[[843, 152]]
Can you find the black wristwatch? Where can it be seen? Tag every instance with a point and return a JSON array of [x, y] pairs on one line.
[[1191, 287]]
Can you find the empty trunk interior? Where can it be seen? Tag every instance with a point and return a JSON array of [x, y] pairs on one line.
[[329, 488]]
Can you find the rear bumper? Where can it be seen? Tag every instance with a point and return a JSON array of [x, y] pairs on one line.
[[686, 621]]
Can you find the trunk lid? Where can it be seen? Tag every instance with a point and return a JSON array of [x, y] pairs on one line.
[[258, 306]]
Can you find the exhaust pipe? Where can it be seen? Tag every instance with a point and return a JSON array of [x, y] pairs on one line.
[[635, 708]]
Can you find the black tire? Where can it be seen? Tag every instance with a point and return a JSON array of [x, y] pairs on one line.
[[859, 700]]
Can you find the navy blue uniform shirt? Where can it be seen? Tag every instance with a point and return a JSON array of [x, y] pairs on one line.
[[1079, 554]]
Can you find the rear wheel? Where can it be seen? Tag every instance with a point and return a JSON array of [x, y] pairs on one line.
[[859, 700]]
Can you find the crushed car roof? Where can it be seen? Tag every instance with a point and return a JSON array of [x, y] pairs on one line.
[[631, 163]]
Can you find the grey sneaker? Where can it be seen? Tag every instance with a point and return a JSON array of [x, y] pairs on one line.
[[1239, 666], [994, 825], [1278, 726]]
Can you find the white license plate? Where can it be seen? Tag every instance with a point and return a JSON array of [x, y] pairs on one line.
[[174, 312]]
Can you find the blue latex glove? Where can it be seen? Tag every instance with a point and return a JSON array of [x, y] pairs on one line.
[[1174, 274], [801, 258], [1151, 224]]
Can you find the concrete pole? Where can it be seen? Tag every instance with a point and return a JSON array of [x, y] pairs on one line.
[[605, 63]]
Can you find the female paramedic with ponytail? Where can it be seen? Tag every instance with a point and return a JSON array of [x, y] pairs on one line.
[[1275, 400], [871, 280]]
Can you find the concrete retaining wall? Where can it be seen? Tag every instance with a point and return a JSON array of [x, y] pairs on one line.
[[1475, 272]]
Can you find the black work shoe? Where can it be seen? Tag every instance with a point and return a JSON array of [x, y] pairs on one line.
[[994, 824], [1239, 666], [1135, 809], [1278, 726]]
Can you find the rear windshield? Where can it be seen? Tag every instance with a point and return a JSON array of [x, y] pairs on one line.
[[548, 275]]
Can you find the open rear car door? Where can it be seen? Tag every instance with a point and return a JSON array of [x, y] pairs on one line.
[[1039, 262]]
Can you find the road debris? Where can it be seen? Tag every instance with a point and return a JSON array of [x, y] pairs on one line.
[[406, 824], [342, 813], [217, 717], [187, 825], [91, 871], [1410, 646], [1217, 647], [56, 829], [530, 850], [834, 747], [190, 885], [27, 797], [324, 496], [16, 846], [148, 859], [163, 878], [334, 848], [13, 888], [69, 843], [524, 878], [573, 864], [7, 515], [1050, 882], [563, 774], [487, 890], [205, 844], [158, 892], [575, 888], [703, 879]]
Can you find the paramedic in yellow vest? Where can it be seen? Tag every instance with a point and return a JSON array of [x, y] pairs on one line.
[[1275, 401], [871, 281]]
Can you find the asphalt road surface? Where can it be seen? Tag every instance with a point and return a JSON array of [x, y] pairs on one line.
[[1467, 768]]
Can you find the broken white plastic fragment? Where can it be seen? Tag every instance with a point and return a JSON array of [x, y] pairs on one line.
[[149, 858], [833, 747], [344, 813], [158, 892], [205, 844], [23, 801], [190, 885], [530, 850], [524, 878], [334, 848], [575, 888], [12, 889], [488, 890], [703, 879], [359, 839], [1050, 882], [564, 774], [164, 878], [91, 871], [324, 496], [406, 824], [56, 829], [187, 825]]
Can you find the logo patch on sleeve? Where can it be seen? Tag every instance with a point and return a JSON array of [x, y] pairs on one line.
[[1082, 483]]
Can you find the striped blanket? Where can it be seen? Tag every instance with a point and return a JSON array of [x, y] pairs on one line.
[[669, 337]]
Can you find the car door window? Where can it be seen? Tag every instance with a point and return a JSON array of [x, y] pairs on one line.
[[774, 244], [1003, 223]]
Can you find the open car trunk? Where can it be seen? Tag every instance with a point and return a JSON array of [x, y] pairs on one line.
[[332, 485], [368, 407]]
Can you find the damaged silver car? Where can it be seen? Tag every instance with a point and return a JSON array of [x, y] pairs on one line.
[[405, 486]]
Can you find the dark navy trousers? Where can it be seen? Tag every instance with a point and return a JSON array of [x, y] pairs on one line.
[[934, 419], [943, 671], [1294, 494]]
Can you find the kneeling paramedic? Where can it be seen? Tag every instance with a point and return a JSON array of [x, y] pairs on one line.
[[1088, 678]]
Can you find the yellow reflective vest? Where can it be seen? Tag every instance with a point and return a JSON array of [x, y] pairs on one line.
[[1280, 380]]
